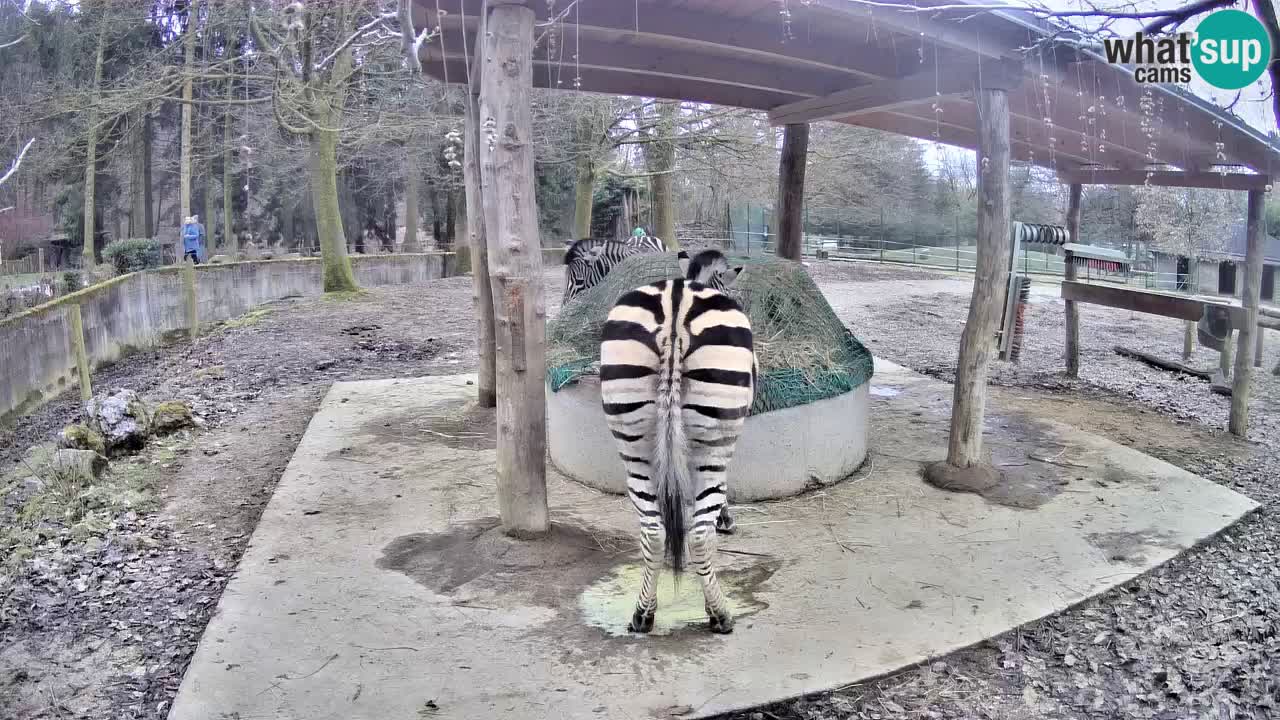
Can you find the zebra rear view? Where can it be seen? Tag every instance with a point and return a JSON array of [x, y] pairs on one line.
[[677, 378]]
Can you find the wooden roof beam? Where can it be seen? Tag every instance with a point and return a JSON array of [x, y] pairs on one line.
[[630, 55], [712, 33], [882, 95], [1165, 178]]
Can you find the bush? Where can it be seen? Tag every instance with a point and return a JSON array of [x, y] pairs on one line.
[[71, 282], [132, 255]]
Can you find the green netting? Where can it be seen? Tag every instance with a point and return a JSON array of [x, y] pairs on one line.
[[804, 351]]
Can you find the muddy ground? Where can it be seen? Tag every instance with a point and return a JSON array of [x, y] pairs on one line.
[[106, 628]]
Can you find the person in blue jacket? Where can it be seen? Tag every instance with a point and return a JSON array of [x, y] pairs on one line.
[[192, 239]]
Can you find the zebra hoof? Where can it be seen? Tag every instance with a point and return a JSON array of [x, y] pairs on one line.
[[721, 624], [725, 524], [641, 621]]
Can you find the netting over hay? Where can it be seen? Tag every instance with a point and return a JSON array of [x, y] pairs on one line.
[[805, 352]]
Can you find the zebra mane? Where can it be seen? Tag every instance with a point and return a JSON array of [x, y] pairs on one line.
[[580, 249]]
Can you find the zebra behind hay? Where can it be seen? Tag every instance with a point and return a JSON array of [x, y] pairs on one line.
[[587, 261], [677, 378]]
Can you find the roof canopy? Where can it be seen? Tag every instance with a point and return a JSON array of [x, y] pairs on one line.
[[910, 73]]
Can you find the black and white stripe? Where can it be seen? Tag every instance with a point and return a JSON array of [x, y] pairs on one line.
[[587, 261], [677, 377]]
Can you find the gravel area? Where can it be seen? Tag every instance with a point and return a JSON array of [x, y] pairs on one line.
[[105, 628], [1197, 638]]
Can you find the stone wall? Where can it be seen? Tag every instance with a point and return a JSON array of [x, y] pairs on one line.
[[139, 309]]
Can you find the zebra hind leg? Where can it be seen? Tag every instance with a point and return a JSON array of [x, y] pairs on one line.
[[702, 542], [651, 546], [725, 523]]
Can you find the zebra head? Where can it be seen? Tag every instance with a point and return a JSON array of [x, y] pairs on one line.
[[709, 267]]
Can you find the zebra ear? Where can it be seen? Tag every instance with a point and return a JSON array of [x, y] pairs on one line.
[[683, 257], [727, 278]]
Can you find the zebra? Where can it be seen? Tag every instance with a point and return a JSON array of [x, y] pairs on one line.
[[677, 379], [709, 267], [587, 261]]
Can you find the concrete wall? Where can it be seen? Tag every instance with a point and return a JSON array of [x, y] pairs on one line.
[[137, 310], [779, 454]]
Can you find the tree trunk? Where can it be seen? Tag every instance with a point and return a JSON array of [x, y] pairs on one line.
[[229, 239], [481, 290], [795, 150], [583, 196], [661, 156], [210, 205], [338, 276], [389, 223], [411, 190], [1249, 298], [188, 109], [964, 449], [433, 196], [91, 156], [149, 225], [511, 219], [450, 218], [289, 240], [1073, 313], [137, 198]]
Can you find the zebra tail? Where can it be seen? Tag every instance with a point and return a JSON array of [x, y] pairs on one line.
[[671, 465]]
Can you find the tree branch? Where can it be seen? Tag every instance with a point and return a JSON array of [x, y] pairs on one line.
[[1267, 13], [359, 33], [17, 162]]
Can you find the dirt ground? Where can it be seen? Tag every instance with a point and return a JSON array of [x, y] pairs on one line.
[[105, 628]]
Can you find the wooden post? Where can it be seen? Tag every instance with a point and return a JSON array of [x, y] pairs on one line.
[[481, 289], [964, 449], [1224, 358], [1257, 349], [515, 256], [1188, 339], [40, 259], [795, 149], [1073, 312], [1238, 423], [78, 349], [190, 299]]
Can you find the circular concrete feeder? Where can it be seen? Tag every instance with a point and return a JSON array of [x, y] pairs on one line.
[[780, 454]]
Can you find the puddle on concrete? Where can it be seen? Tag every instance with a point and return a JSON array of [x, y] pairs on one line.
[[610, 601], [477, 557], [1129, 547], [456, 424], [885, 391]]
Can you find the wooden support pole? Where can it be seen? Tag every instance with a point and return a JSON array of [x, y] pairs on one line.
[[40, 259], [795, 150], [978, 340], [1257, 348], [1238, 423], [1188, 339], [78, 349], [1225, 357], [481, 289], [511, 230], [190, 300], [1073, 312]]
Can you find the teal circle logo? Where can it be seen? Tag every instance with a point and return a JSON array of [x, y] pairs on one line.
[[1232, 49]]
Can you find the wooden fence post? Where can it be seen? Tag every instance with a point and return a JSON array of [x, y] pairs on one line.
[[795, 148], [1073, 312], [964, 464], [515, 257], [40, 259], [189, 298], [1238, 423], [478, 260], [1257, 349], [78, 349]]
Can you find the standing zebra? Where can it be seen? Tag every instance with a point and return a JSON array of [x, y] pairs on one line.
[[677, 378], [587, 261]]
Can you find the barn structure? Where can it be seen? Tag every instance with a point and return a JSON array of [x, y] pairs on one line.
[[1220, 273], [1003, 83]]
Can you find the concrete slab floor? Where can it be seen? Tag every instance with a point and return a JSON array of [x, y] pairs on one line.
[[376, 585]]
